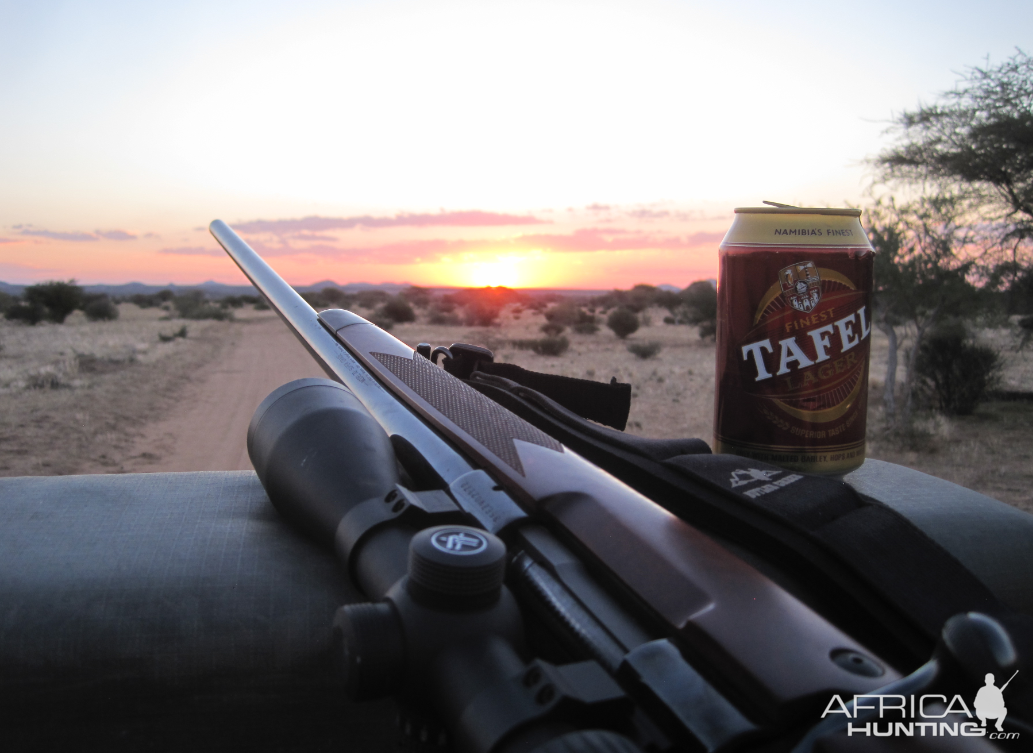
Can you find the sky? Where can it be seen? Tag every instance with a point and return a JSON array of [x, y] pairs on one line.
[[530, 144]]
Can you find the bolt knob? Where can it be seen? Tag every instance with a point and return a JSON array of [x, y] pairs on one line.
[[456, 567], [977, 643], [369, 650]]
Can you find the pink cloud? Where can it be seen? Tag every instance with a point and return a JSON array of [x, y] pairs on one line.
[[115, 235], [74, 237], [10, 240], [312, 237], [192, 251], [472, 218]]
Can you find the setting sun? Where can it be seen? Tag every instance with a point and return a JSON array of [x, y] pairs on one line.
[[503, 271]]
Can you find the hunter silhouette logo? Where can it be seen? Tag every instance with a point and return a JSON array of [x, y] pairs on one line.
[[989, 703], [745, 476], [458, 541], [801, 285]]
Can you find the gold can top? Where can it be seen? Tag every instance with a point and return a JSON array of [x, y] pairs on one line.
[[833, 211], [796, 226]]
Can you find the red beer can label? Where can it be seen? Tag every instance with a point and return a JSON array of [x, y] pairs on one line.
[[793, 338]]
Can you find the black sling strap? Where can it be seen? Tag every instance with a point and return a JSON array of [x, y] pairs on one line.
[[857, 560], [608, 404]]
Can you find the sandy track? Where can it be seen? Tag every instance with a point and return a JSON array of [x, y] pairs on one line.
[[207, 431]]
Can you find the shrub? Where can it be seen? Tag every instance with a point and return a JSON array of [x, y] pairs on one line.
[[440, 315], [564, 313], [335, 297], [58, 299], [571, 315], [958, 372], [551, 346], [238, 301], [6, 301], [30, 313], [697, 304], [622, 321], [151, 300], [645, 350], [370, 299], [586, 328], [553, 329], [397, 309], [315, 300], [545, 346], [482, 314], [193, 305], [181, 332], [100, 308], [637, 299], [418, 297], [497, 297]]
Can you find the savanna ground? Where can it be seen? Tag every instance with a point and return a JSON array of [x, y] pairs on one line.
[[125, 396]]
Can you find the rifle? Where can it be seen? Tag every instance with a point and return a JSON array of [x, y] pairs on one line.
[[521, 598]]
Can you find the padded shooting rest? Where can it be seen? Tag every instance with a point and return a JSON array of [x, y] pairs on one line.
[[180, 605]]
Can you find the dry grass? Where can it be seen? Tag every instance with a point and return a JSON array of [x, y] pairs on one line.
[[75, 395], [79, 392]]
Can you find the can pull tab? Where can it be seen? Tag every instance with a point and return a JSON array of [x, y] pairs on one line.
[[780, 206]]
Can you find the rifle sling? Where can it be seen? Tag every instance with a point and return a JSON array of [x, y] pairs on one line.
[[862, 562], [605, 403]]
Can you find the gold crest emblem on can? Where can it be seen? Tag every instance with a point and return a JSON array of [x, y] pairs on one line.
[[801, 285], [793, 338]]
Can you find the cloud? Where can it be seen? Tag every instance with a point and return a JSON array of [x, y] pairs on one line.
[[192, 251], [74, 237], [115, 235], [472, 218], [313, 237], [615, 239], [649, 214], [10, 240], [588, 240]]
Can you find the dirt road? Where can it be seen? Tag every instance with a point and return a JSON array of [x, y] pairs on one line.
[[208, 429]]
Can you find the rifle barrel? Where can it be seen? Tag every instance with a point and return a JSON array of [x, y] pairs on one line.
[[335, 360]]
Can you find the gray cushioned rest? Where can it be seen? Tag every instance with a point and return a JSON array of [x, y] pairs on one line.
[[993, 540], [177, 602], [176, 611]]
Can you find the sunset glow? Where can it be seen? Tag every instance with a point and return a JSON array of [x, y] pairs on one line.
[[506, 272], [567, 143]]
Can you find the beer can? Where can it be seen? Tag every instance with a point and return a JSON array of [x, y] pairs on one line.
[[794, 321]]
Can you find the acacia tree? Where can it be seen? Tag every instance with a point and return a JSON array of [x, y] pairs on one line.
[[921, 277], [975, 143]]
